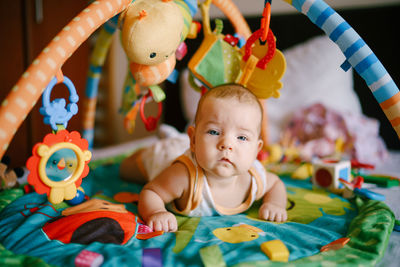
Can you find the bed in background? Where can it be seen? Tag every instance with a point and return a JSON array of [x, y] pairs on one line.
[[316, 217]]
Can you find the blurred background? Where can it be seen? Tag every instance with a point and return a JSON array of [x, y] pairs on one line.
[[29, 25]]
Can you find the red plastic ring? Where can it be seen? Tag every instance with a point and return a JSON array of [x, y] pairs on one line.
[[150, 122], [262, 63]]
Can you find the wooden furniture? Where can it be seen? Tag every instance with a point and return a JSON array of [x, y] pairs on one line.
[[27, 27]]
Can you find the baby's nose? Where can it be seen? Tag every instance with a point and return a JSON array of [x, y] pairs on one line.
[[224, 144]]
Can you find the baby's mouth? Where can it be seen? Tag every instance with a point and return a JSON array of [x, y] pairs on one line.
[[226, 160]]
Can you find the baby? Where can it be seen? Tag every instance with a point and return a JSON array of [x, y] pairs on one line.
[[220, 173]]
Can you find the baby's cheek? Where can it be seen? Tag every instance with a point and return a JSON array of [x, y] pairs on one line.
[[202, 158]]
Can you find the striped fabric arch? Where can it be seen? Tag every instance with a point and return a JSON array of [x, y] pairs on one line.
[[26, 92], [358, 55], [97, 60]]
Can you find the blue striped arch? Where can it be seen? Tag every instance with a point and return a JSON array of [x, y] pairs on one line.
[[356, 51], [95, 69]]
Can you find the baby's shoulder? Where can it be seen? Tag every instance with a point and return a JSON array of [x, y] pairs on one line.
[[259, 169], [177, 170], [173, 179]]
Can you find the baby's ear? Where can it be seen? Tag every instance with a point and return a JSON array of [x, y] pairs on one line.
[[260, 145], [191, 133]]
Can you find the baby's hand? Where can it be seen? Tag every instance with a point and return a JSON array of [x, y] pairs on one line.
[[163, 221], [272, 212]]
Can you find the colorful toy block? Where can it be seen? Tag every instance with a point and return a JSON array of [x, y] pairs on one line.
[[87, 258], [326, 174], [275, 250]]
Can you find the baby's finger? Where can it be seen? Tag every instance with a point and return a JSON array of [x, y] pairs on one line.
[[172, 225], [272, 216], [165, 227], [278, 217], [158, 226], [264, 214], [150, 225], [285, 217]]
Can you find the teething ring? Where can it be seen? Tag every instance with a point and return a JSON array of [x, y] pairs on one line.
[[55, 113], [262, 63], [150, 122]]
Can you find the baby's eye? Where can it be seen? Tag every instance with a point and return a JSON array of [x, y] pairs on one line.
[[213, 132], [242, 138], [153, 55]]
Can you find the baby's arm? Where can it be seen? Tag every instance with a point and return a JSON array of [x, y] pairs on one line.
[[130, 170], [169, 185], [274, 200]]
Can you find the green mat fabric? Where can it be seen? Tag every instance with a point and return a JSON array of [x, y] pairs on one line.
[[369, 234]]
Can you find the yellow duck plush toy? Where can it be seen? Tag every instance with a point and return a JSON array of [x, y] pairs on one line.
[[151, 32]]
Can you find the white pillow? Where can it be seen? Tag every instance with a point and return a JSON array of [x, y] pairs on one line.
[[313, 74]]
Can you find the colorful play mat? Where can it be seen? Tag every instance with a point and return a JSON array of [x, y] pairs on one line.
[[316, 218]]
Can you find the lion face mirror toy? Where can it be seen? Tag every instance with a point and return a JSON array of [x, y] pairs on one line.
[[59, 162]]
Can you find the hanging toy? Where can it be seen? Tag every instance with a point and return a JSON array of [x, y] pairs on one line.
[[60, 161], [147, 22], [257, 65], [55, 113], [217, 60], [153, 32], [150, 122], [262, 64]]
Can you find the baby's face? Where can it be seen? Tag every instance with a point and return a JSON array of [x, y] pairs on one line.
[[226, 138]]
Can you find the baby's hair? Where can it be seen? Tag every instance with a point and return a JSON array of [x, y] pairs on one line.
[[232, 91]]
